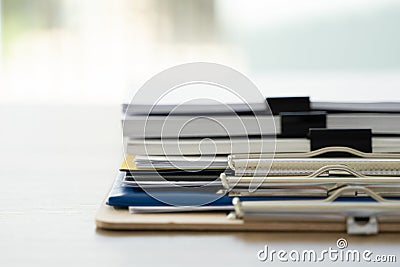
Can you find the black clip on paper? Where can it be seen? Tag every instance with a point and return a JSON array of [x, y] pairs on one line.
[[298, 124], [359, 139], [288, 104]]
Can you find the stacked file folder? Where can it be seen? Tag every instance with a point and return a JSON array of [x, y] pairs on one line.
[[285, 164]]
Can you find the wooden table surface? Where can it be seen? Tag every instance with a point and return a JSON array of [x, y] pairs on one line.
[[57, 164]]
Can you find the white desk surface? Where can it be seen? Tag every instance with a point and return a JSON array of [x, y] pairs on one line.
[[57, 164]]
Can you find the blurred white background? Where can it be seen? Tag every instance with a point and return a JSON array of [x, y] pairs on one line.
[[67, 65], [101, 51]]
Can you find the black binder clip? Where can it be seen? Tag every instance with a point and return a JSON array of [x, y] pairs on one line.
[[288, 104], [297, 124], [359, 139]]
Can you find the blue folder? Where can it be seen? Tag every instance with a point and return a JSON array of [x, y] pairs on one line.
[[121, 196]]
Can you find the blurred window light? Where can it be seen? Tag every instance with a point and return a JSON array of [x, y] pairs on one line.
[[272, 13], [99, 51], [353, 35]]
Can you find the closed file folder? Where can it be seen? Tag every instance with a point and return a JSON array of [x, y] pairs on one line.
[[122, 196], [367, 215]]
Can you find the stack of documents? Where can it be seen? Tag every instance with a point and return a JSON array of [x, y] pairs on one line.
[[290, 161], [175, 154], [197, 129], [281, 127]]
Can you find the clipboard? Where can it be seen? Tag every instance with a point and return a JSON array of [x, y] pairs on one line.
[[263, 219], [360, 218], [304, 216], [109, 218], [319, 215]]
